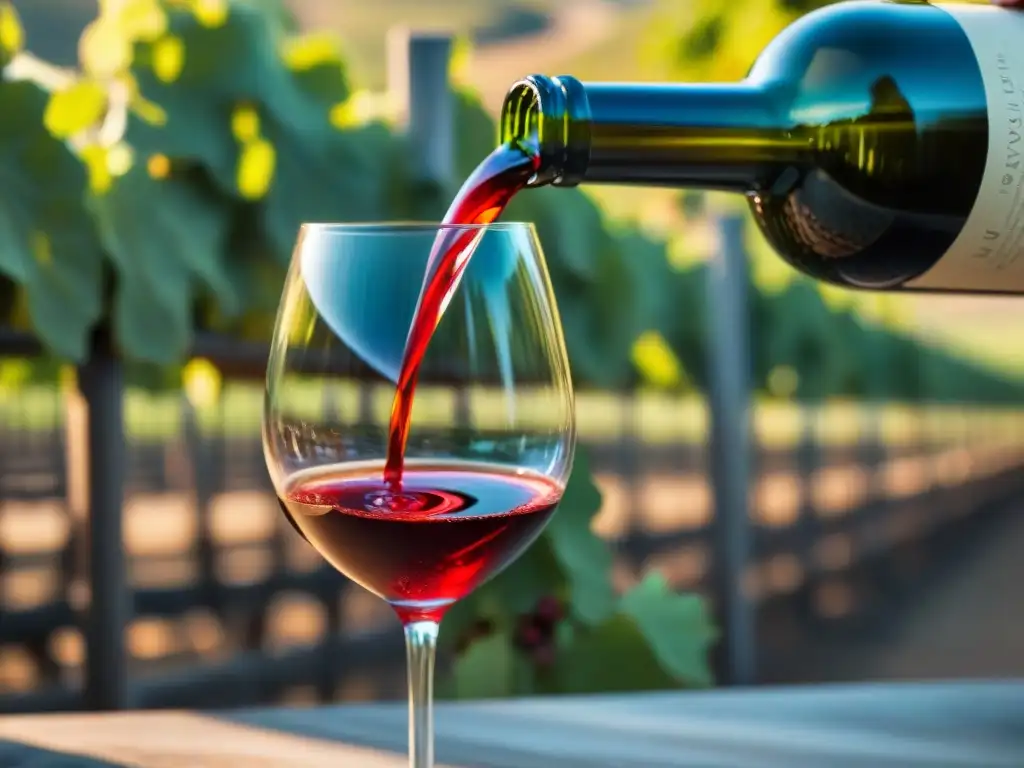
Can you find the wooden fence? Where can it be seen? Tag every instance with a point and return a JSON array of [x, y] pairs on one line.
[[228, 606]]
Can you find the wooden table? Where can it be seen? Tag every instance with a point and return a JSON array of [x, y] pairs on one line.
[[929, 725]]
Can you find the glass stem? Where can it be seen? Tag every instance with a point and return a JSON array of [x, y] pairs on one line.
[[421, 648]]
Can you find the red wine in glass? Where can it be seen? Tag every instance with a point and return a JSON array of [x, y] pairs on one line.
[[424, 537], [449, 529], [481, 200], [423, 533]]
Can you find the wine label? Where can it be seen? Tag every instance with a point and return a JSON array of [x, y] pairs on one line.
[[988, 255]]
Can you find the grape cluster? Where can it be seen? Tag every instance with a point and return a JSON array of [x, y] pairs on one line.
[[536, 632]]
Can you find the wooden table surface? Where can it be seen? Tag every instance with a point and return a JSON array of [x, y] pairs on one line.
[[927, 725]]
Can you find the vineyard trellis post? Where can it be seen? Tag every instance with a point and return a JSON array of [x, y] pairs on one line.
[[418, 83], [421, 89], [729, 451], [96, 425]]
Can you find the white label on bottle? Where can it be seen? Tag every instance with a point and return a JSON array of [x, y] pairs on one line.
[[988, 254]]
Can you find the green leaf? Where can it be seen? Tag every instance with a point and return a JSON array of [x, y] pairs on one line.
[[677, 628], [47, 242], [237, 58], [801, 332], [585, 558], [315, 61], [163, 237], [573, 230], [339, 181], [277, 12], [256, 113], [12, 36], [650, 273], [687, 332], [405, 198], [73, 109], [611, 310], [237, 61], [611, 657], [256, 274], [198, 80], [188, 131], [602, 281], [485, 670]]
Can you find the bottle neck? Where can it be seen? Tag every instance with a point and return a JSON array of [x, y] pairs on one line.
[[719, 136]]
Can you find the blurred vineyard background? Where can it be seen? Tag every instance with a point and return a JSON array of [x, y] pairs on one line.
[[888, 431]]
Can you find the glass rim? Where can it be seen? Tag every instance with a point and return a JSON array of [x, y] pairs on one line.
[[411, 227]]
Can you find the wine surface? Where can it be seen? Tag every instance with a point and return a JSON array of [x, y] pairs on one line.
[[481, 200], [423, 547]]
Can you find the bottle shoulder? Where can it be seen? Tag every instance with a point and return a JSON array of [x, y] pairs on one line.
[[881, 94], [846, 48]]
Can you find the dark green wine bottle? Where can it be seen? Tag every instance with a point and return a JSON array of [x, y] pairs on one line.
[[878, 142]]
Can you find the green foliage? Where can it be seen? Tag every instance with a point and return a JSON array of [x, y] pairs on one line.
[[214, 113], [654, 640], [159, 188], [647, 638], [831, 351], [209, 135], [48, 245], [800, 332], [231, 122], [665, 637], [583, 557], [712, 40], [159, 262]]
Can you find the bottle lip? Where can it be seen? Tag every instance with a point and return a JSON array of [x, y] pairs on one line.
[[551, 117]]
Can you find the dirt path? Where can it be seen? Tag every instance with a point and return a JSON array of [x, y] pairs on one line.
[[973, 626]]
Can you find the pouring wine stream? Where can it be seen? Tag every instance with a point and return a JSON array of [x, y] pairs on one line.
[[481, 200]]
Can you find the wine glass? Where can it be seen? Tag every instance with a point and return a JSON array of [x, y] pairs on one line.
[[467, 496]]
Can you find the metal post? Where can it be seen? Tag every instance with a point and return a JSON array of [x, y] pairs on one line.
[[808, 462], [418, 82], [100, 423], [729, 401], [200, 469]]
